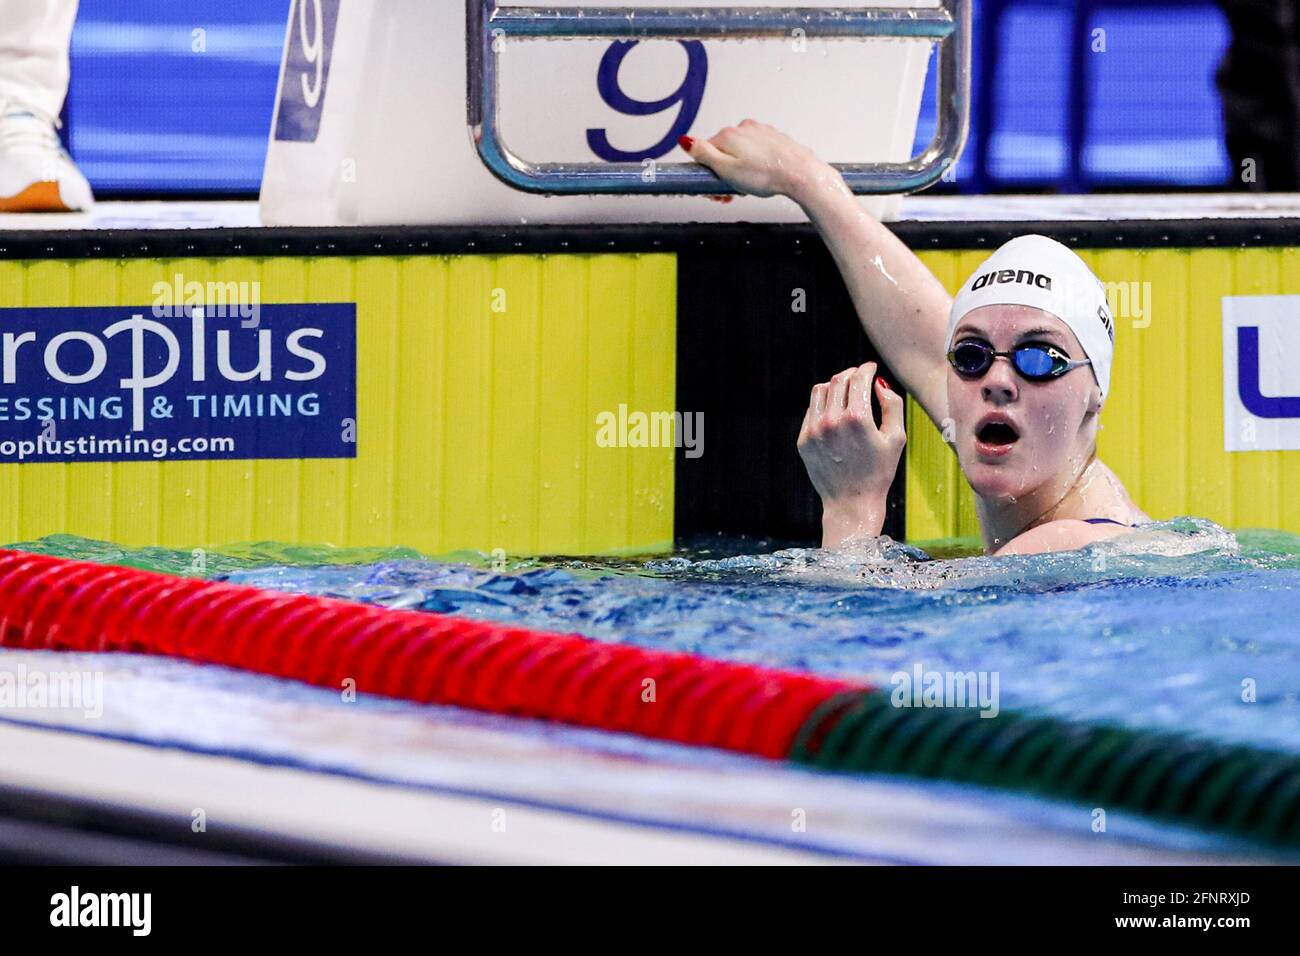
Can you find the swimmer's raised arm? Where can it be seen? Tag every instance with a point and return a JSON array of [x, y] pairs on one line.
[[901, 305]]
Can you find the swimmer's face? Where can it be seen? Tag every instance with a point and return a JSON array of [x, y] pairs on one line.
[[1051, 426]]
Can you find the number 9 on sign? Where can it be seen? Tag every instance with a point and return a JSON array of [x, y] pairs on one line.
[[306, 70], [311, 51], [686, 97]]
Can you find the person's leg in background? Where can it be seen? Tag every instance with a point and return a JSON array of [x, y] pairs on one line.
[[1259, 83], [35, 172]]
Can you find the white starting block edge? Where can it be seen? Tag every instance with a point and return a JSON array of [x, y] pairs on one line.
[[164, 229], [371, 125]]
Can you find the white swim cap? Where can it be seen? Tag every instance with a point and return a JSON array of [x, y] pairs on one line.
[[1040, 272]]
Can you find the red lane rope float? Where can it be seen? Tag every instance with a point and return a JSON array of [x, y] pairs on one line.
[[53, 603]]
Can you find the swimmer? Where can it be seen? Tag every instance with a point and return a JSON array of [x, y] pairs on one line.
[[1013, 372]]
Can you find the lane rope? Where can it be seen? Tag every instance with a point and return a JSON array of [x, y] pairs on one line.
[[56, 604], [833, 725]]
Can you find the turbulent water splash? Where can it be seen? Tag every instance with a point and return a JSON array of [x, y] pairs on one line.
[[1181, 625], [884, 563]]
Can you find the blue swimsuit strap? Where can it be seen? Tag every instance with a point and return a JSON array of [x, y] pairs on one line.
[[1107, 521]]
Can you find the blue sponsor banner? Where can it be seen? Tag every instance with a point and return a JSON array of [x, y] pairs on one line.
[[150, 383], [310, 48]]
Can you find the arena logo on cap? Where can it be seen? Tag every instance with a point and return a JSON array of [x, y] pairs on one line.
[[1106, 321], [1261, 388], [1039, 280]]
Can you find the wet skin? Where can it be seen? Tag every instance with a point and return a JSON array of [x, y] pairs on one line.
[[1029, 499], [1050, 474]]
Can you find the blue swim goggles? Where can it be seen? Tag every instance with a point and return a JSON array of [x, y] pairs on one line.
[[1036, 362]]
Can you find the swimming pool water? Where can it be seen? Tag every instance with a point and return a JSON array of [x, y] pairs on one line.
[[1181, 627]]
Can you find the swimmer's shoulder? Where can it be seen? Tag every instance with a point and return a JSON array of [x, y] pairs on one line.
[[1063, 534]]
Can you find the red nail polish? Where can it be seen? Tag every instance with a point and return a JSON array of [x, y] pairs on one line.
[[686, 142], [883, 384]]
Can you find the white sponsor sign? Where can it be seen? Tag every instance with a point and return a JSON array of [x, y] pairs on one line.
[[1261, 377]]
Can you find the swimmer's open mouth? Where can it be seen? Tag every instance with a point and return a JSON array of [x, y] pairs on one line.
[[997, 434], [996, 431]]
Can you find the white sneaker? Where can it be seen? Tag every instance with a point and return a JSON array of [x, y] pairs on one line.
[[36, 173]]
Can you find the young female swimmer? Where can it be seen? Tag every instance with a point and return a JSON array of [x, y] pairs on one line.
[[1013, 372]]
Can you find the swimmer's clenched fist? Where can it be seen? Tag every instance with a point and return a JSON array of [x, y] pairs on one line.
[[850, 460]]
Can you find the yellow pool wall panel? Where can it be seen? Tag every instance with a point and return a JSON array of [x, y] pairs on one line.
[[479, 383], [1162, 426]]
